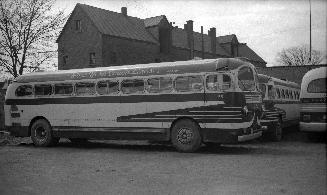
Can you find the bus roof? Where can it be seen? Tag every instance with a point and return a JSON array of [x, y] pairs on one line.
[[179, 67], [265, 79]]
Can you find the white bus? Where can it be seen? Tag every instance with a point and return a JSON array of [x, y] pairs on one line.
[[313, 101], [281, 104], [186, 102]]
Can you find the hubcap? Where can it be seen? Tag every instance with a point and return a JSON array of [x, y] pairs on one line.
[[184, 135], [40, 133]]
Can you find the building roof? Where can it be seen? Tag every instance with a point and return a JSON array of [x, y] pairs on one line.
[[179, 39], [153, 21], [245, 51], [226, 38], [116, 24]]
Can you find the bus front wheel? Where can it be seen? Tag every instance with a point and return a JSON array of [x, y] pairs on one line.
[[41, 134], [185, 136]]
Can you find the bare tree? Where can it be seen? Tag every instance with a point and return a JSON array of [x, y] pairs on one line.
[[298, 56], [28, 29]]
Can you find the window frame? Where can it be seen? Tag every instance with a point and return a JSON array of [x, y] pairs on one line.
[[63, 83], [160, 79], [30, 95], [78, 25], [40, 84], [84, 94], [133, 92], [216, 84], [189, 91]]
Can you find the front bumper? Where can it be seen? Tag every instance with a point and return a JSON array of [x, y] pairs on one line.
[[313, 127], [243, 138]]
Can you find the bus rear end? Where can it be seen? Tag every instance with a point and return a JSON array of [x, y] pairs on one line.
[[313, 101]]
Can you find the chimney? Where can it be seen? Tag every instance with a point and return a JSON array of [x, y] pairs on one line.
[[190, 38], [124, 11], [212, 35]]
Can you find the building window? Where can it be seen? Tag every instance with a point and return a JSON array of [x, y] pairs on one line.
[[65, 59], [78, 25], [92, 58]]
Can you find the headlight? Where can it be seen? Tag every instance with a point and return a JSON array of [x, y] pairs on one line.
[[245, 110]]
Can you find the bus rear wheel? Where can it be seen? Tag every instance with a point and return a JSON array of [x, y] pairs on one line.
[[41, 134], [185, 136]]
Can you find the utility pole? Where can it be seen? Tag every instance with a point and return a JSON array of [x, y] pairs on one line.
[[310, 31], [202, 43]]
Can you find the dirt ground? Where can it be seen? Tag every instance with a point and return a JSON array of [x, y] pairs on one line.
[[293, 166]]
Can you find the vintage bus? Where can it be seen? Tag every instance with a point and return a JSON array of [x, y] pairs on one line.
[[281, 101], [313, 101], [186, 103]]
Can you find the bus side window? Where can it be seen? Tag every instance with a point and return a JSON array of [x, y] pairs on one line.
[[278, 93], [63, 89], [188, 83], [43, 90], [157, 85], [226, 82], [283, 94], [153, 85], [85, 88], [102, 87], [271, 92], [24, 90], [113, 87], [291, 94], [218, 82], [129, 86], [212, 82]]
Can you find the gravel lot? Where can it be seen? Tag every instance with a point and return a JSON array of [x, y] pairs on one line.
[[293, 166]]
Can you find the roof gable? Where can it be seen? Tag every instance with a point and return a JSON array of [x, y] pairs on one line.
[[245, 51], [227, 39], [116, 24], [153, 21]]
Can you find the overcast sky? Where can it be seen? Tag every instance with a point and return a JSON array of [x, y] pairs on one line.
[[267, 26]]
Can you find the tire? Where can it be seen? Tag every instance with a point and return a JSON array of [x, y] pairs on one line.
[[277, 133], [41, 134], [78, 140], [185, 136]]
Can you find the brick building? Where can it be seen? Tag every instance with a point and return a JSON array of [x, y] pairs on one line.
[[94, 37]]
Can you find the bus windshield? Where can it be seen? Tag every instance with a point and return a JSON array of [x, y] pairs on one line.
[[317, 86], [246, 80]]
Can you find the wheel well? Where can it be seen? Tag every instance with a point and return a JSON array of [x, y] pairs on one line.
[[184, 118], [33, 121]]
